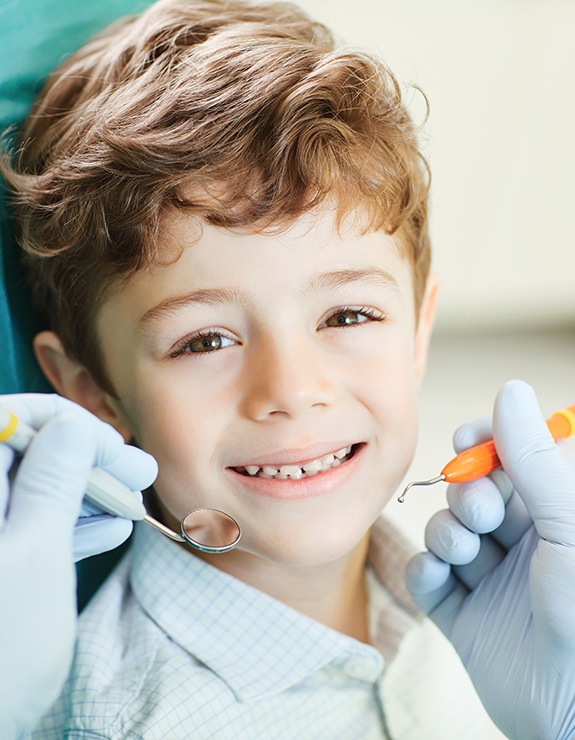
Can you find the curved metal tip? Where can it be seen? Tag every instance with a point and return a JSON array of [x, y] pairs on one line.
[[430, 482]]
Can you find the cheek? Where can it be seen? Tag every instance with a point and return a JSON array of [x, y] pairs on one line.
[[180, 428], [177, 448], [386, 375], [387, 387], [175, 436], [156, 418]]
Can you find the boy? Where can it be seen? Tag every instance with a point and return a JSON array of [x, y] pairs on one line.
[[224, 222]]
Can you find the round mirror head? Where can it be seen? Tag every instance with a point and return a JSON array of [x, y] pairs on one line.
[[210, 530]]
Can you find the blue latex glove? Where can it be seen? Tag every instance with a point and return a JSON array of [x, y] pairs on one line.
[[39, 508], [95, 532], [506, 600]]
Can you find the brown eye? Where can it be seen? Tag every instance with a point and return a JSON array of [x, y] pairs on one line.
[[351, 316], [201, 344], [345, 318], [207, 343]]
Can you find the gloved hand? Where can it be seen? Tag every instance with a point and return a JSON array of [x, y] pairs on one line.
[[38, 513], [499, 577], [95, 531]]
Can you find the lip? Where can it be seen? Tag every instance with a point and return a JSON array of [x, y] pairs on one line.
[[312, 486], [295, 456]]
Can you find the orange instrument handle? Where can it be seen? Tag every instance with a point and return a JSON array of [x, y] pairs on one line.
[[482, 459]]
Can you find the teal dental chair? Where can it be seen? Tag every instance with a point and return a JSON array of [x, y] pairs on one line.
[[35, 36]]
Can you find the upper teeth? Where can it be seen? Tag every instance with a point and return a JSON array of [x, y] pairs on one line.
[[295, 472]]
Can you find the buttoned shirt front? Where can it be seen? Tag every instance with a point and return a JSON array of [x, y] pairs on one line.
[[174, 648]]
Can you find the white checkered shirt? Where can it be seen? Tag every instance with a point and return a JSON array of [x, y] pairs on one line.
[[173, 648]]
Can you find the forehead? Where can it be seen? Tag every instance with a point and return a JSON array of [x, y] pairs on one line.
[[312, 234], [314, 253]]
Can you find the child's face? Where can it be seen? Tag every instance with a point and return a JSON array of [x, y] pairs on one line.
[[254, 352]]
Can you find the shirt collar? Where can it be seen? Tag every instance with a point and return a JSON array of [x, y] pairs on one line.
[[198, 607], [392, 612]]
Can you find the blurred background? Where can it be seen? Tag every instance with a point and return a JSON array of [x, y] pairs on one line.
[[500, 80]]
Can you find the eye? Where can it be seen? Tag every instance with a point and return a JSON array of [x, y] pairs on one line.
[[209, 340], [351, 316]]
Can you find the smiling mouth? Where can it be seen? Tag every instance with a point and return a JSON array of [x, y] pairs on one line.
[[299, 472]]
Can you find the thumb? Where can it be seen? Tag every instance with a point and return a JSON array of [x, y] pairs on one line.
[[534, 463]]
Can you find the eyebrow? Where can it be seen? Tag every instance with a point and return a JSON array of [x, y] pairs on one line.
[[215, 296], [341, 278], [209, 297]]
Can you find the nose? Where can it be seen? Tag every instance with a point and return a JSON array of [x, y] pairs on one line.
[[285, 379]]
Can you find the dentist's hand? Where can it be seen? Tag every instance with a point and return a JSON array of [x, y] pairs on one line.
[[39, 507], [499, 579]]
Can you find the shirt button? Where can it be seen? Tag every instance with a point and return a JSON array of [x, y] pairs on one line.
[[363, 668]]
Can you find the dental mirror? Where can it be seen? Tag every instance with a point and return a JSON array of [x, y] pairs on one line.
[[206, 530]]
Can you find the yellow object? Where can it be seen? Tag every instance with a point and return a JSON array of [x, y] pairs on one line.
[[9, 429]]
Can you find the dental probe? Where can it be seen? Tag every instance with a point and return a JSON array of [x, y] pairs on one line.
[[103, 489], [481, 460]]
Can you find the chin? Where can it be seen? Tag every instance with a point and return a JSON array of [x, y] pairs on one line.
[[308, 545]]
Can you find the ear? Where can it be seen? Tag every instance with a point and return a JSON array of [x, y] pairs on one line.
[[73, 381], [425, 326]]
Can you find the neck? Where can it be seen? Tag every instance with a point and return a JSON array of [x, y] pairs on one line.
[[332, 593]]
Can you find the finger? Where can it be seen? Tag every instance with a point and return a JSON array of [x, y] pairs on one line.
[[98, 534], [435, 589], [428, 580], [35, 409], [488, 558], [469, 435], [38, 409], [449, 540], [491, 505], [534, 463], [6, 460], [478, 505], [133, 467], [485, 506], [516, 522]]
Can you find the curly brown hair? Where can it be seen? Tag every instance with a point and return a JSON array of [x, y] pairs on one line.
[[240, 113]]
